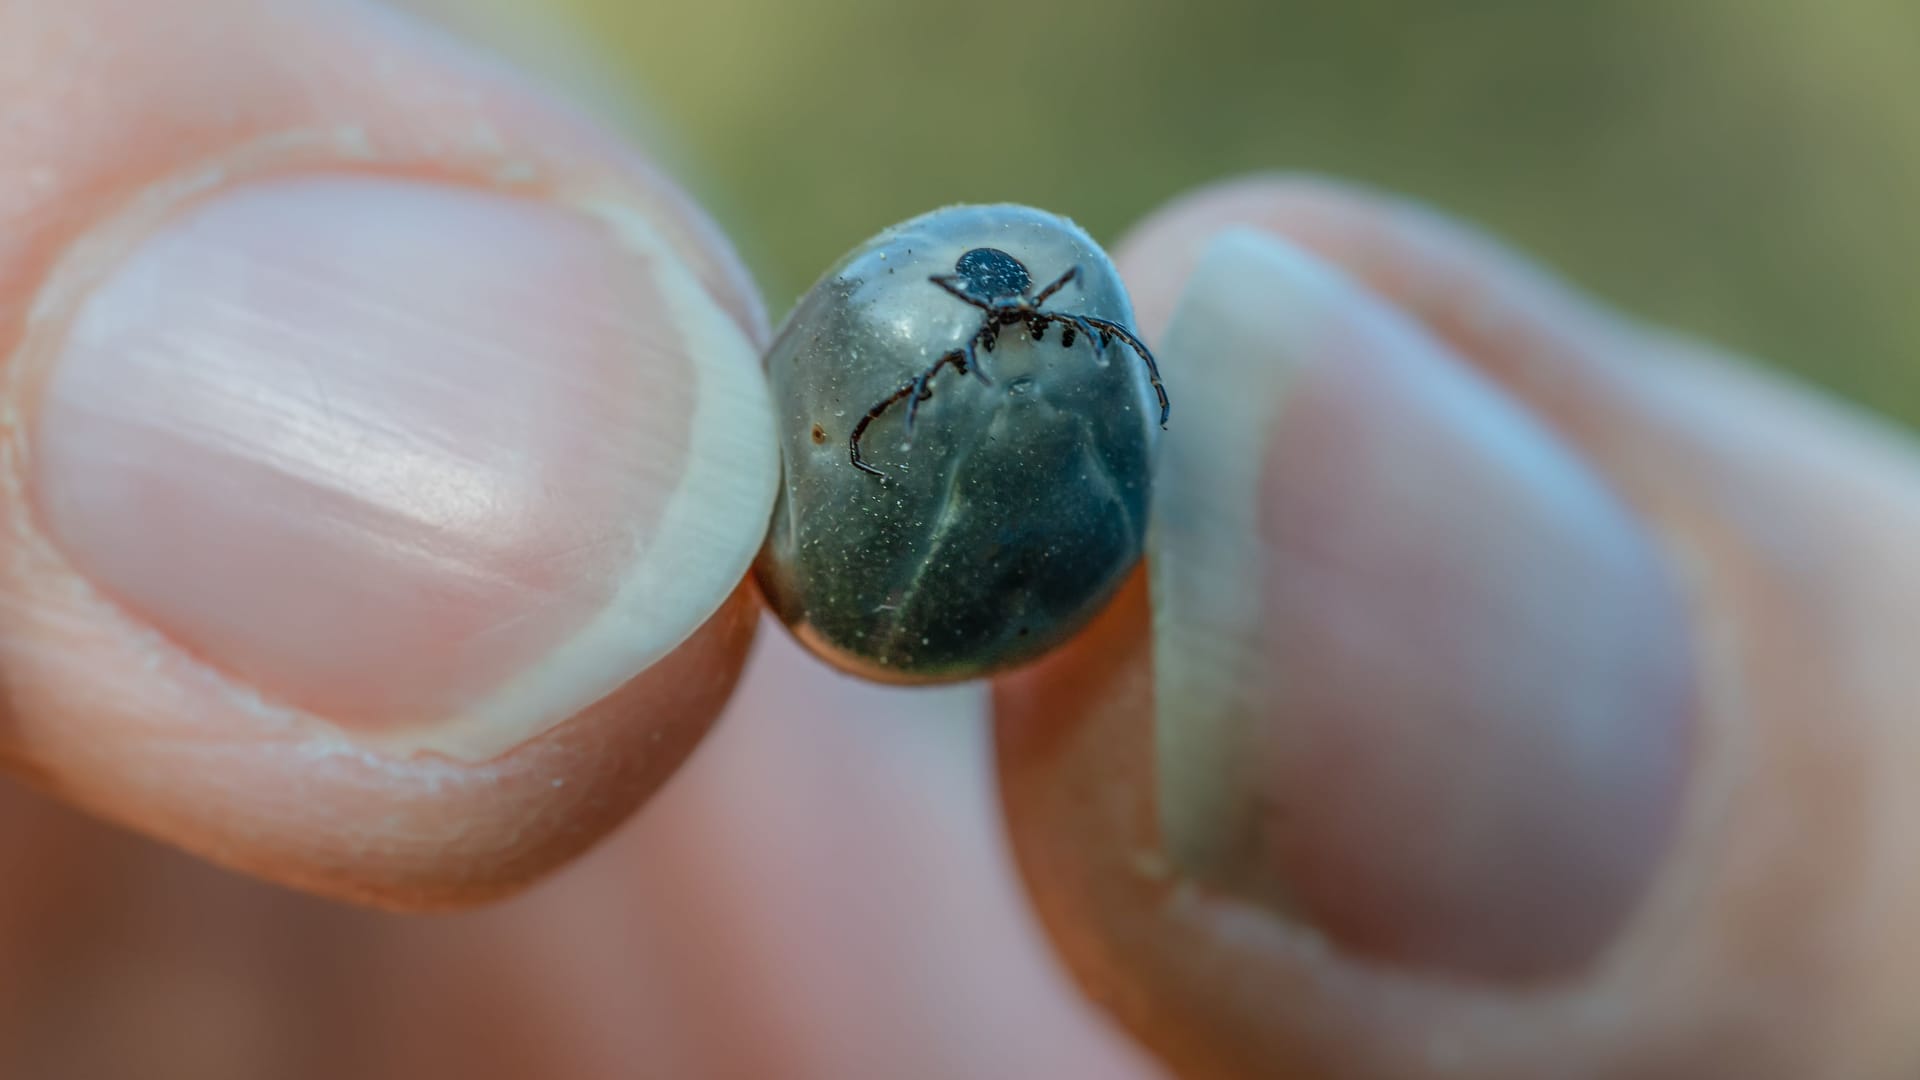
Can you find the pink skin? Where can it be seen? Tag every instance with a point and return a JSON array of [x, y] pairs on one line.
[[539, 520], [829, 887]]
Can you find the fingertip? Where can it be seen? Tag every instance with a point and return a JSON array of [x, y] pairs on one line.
[[1354, 750], [389, 456], [1780, 521], [423, 833]]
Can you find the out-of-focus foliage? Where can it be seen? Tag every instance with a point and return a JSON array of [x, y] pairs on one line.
[[1745, 169]]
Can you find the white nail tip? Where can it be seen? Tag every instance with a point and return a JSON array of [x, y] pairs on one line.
[[1240, 332]]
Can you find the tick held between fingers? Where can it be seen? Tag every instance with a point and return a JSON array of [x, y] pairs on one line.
[[934, 527]]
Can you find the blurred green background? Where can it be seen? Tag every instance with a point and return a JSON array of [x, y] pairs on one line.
[[1744, 169]]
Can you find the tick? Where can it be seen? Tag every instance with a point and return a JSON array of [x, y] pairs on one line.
[[1001, 286], [1020, 504]]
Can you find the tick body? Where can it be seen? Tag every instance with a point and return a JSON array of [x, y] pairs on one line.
[[966, 457]]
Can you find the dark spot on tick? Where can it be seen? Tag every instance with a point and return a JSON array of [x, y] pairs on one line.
[[819, 434]]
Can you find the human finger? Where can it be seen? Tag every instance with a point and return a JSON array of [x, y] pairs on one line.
[[1520, 695], [385, 447]]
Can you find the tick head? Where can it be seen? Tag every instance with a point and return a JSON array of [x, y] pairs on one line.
[[992, 274]]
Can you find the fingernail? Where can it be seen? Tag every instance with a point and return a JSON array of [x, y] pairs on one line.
[[1421, 679], [436, 465]]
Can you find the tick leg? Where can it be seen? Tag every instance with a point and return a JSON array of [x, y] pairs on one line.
[[946, 281], [1140, 349], [1058, 284], [1037, 327], [1099, 340], [1077, 325], [970, 361], [922, 391], [915, 390], [920, 394], [859, 429]]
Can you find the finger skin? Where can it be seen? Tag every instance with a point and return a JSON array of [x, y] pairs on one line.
[[822, 893], [1782, 934], [111, 100]]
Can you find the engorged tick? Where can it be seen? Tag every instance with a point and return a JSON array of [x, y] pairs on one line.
[[1025, 509], [1001, 287]]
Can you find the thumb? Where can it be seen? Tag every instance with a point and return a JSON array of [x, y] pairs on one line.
[[1522, 694], [386, 448]]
